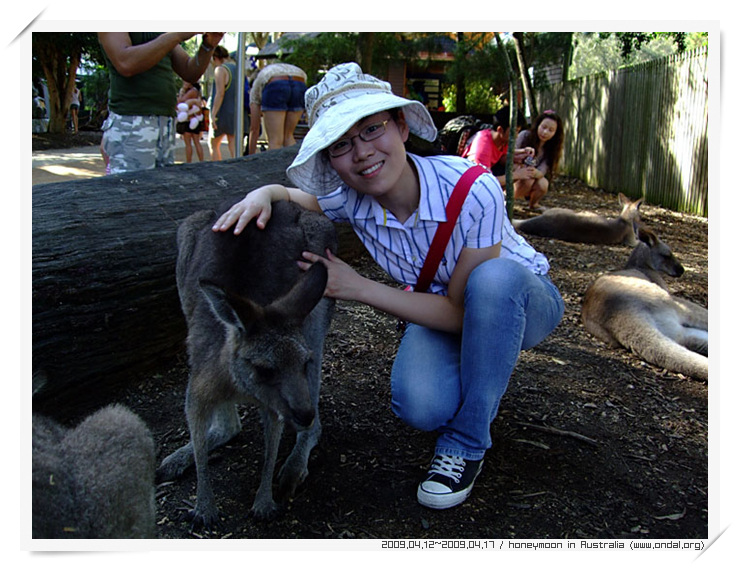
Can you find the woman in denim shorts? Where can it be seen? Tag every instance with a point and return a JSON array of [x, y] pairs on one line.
[[277, 95]]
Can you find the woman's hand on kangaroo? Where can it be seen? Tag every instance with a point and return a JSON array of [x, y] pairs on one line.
[[257, 204], [343, 283]]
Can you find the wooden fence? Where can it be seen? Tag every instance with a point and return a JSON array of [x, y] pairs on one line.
[[641, 130]]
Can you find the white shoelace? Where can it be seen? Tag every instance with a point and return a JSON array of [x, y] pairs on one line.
[[448, 466]]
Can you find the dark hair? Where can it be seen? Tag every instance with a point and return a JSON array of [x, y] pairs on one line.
[[502, 118], [553, 149], [221, 52]]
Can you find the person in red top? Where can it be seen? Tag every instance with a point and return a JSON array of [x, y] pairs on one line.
[[488, 148]]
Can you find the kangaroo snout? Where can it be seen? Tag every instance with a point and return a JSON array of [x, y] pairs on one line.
[[299, 408], [676, 270]]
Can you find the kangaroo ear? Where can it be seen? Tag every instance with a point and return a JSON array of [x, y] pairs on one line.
[[647, 236], [305, 294], [233, 311]]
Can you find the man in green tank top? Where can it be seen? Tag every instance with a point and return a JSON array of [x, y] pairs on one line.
[[139, 132]]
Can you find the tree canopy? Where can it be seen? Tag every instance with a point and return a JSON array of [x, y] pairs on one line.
[[57, 56]]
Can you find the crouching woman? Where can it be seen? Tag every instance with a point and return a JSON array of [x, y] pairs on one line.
[[489, 299]]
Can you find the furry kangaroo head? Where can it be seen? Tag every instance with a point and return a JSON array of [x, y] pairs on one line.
[[651, 253], [586, 227], [266, 348]]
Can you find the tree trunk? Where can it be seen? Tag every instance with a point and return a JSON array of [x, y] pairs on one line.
[[60, 77], [523, 72], [365, 45], [105, 304], [513, 112], [568, 57]]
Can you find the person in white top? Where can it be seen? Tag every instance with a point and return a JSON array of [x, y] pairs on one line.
[[490, 297], [74, 108]]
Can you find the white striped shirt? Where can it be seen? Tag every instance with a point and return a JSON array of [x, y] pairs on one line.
[[400, 249]]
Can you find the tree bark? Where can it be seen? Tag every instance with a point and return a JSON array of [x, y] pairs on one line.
[[461, 95], [365, 45], [105, 304], [513, 112], [523, 71], [60, 77]]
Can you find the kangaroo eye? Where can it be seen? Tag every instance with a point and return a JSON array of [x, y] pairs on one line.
[[264, 374]]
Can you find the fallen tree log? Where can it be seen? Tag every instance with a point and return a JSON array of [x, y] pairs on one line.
[[105, 302]]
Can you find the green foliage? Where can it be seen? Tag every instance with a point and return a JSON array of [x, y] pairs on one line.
[[546, 48], [596, 52], [477, 58], [631, 42], [56, 57], [479, 98], [314, 54]]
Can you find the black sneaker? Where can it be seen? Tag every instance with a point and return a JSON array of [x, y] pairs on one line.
[[449, 481]]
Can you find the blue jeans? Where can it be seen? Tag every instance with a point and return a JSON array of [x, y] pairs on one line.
[[453, 383], [283, 95]]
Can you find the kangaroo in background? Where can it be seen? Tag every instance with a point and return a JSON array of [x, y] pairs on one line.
[[585, 227], [634, 309], [256, 329], [95, 481]]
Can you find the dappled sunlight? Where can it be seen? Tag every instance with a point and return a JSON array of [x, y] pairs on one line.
[[74, 172]]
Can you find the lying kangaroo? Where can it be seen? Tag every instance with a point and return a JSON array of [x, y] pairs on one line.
[[585, 227], [633, 308], [256, 328], [95, 481]]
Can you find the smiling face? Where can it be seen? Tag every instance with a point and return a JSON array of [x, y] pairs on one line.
[[547, 130], [375, 167]]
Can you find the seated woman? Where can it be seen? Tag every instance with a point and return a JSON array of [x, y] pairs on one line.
[[546, 138]]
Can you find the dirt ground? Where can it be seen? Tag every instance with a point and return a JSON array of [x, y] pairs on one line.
[[590, 442]]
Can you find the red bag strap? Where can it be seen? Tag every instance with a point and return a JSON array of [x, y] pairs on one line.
[[444, 230]]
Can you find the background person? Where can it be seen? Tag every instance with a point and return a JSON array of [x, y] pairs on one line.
[[74, 108], [191, 97], [139, 132], [223, 104], [489, 148], [546, 138], [277, 95]]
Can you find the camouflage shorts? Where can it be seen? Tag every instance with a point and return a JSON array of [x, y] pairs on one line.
[[133, 142]]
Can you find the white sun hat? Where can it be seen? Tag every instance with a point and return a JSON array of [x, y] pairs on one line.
[[342, 98]]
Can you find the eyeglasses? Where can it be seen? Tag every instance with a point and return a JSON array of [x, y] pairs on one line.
[[368, 133]]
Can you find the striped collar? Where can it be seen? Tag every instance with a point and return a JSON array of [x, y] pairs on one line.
[[431, 205]]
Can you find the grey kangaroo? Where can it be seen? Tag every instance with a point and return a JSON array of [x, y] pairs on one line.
[[586, 227], [634, 309], [95, 481], [256, 328]]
